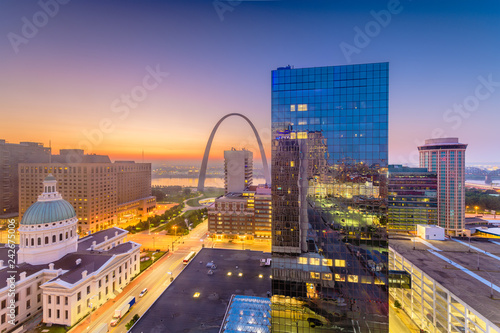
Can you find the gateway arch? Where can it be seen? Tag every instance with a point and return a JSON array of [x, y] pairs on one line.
[[203, 169]]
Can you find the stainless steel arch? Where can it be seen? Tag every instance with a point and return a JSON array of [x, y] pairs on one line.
[[203, 169]]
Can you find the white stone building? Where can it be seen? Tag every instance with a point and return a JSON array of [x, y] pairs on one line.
[[57, 273]]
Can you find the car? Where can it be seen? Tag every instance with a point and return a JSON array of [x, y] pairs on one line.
[[143, 292]]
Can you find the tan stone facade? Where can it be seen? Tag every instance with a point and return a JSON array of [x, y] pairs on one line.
[[242, 215], [102, 194]]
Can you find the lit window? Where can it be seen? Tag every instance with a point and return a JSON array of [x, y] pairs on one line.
[[314, 275], [340, 277], [292, 107], [302, 107], [292, 163], [302, 135], [352, 278], [327, 276], [314, 261], [302, 260], [339, 262], [327, 262]]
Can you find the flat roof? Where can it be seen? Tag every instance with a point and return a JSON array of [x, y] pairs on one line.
[[451, 265], [176, 310]]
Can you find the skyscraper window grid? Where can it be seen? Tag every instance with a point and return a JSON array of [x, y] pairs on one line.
[[329, 193]]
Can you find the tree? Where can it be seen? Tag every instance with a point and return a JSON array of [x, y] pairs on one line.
[[132, 322], [160, 196]]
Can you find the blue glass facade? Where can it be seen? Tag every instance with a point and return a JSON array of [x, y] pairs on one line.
[[348, 104], [329, 196]]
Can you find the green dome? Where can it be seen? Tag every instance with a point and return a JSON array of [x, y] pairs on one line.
[[42, 212]]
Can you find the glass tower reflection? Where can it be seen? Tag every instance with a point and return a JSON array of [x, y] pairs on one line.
[[329, 196]]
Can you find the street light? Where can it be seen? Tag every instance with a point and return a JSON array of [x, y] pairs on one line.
[[476, 209], [491, 286], [173, 242]]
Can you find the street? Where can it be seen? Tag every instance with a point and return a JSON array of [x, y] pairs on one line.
[[156, 278]]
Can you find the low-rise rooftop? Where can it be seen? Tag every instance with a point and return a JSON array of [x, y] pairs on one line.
[[179, 310], [470, 276]]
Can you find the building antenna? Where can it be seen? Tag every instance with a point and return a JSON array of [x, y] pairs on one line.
[[50, 151]]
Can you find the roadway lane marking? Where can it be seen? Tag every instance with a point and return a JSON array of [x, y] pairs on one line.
[[428, 244], [497, 243], [466, 271], [479, 250]]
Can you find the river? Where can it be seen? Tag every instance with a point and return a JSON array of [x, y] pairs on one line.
[[193, 182]]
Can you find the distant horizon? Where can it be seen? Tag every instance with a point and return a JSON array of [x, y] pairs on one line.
[[215, 157]]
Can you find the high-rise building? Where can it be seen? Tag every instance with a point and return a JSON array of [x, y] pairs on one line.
[[102, 193], [11, 155], [238, 170], [245, 215], [329, 198], [412, 198], [446, 157]]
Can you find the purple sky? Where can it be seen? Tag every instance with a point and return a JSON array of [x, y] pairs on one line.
[[66, 80]]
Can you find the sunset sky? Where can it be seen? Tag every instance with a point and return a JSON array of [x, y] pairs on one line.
[[64, 80]]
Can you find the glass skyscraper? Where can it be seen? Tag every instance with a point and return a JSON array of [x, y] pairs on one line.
[[329, 197]]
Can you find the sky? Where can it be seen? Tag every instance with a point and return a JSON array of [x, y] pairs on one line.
[[123, 77]]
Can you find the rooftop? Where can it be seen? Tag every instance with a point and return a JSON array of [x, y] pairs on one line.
[[86, 242], [91, 261], [176, 310], [451, 264]]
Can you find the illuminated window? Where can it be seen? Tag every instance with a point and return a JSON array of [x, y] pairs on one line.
[[340, 277], [302, 260], [292, 163], [302, 107], [314, 275], [302, 135], [293, 135], [327, 262], [314, 261], [292, 107], [352, 278], [327, 276], [339, 262]]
